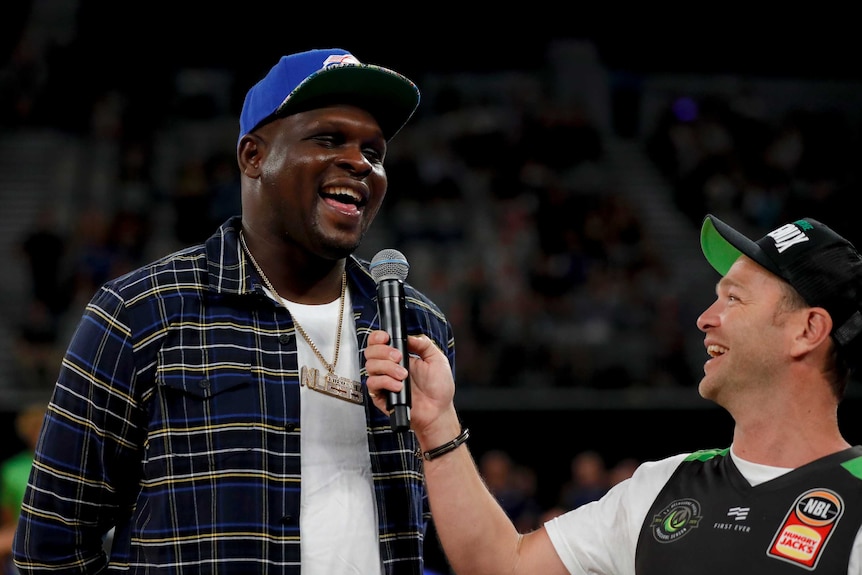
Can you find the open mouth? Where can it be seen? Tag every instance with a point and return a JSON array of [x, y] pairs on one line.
[[716, 350], [345, 196]]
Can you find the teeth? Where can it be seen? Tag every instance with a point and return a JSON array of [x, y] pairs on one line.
[[715, 350], [343, 191]]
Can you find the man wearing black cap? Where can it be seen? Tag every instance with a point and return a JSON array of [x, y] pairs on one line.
[[785, 497], [211, 408]]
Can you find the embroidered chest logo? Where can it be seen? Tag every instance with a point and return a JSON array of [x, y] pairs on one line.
[[739, 515], [676, 520], [806, 529]]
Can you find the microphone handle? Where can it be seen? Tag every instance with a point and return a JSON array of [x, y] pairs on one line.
[[392, 308]]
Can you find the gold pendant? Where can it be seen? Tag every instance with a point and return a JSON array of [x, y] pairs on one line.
[[331, 384]]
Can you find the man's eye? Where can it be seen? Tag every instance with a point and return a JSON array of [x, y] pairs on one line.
[[373, 155], [326, 140]]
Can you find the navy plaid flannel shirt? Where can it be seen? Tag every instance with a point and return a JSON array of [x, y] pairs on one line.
[[176, 420]]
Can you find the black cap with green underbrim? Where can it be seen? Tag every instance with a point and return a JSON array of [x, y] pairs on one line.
[[824, 267]]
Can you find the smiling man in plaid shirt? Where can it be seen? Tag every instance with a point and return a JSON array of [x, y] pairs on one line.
[[211, 407]]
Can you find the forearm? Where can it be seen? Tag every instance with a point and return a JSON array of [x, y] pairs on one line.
[[474, 531], [476, 534], [7, 533]]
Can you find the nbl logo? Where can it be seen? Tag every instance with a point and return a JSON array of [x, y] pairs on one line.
[[806, 529]]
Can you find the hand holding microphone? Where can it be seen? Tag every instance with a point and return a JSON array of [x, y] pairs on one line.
[[389, 269]]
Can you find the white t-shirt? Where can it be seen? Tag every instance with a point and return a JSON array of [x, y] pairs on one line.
[[600, 538], [338, 514]]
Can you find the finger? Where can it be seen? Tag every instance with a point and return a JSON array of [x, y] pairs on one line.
[[382, 352], [388, 369], [382, 383], [378, 336]]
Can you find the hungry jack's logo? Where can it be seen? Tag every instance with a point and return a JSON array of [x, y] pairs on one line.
[[807, 527]]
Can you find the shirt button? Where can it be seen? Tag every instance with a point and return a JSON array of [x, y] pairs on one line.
[[284, 339], [286, 519], [204, 384], [290, 426]]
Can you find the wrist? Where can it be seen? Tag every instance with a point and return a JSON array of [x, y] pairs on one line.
[[443, 432], [445, 448]]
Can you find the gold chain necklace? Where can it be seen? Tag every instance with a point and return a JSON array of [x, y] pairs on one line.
[[332, 383]]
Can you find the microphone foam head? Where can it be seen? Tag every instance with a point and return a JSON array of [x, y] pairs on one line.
[[389, 265]]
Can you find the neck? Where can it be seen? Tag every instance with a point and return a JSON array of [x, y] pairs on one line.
[[312, 281], [765, 440]]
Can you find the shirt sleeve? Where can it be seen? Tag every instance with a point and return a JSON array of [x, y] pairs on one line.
[[601, 536], [87, 461]]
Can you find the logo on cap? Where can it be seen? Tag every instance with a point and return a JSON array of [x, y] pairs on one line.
[[339, 59], [789, 235]]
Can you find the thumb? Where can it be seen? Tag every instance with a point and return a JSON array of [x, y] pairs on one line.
[[423, 346]]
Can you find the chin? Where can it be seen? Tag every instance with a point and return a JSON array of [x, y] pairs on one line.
[[337, 250], [706, 390]]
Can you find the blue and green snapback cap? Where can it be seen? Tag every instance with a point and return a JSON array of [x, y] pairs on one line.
[[306, 80]]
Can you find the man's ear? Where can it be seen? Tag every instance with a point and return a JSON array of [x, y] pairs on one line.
[[249, 155], [818, 326]]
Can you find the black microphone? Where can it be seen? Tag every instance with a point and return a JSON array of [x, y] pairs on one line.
[[389, 269]]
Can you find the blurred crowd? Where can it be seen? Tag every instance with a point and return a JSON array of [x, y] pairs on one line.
[[515, 485], [735, 156], [497, 197], [501, 196]]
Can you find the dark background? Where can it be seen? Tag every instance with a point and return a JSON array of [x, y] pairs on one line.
[[138, 43], [139, 46]]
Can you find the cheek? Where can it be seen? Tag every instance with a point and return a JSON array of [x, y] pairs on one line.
[[373, 206], [287, 158], [379, 179], [378, 185]]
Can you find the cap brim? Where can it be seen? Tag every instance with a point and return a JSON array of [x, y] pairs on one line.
[[390, 97], [722, 245]]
